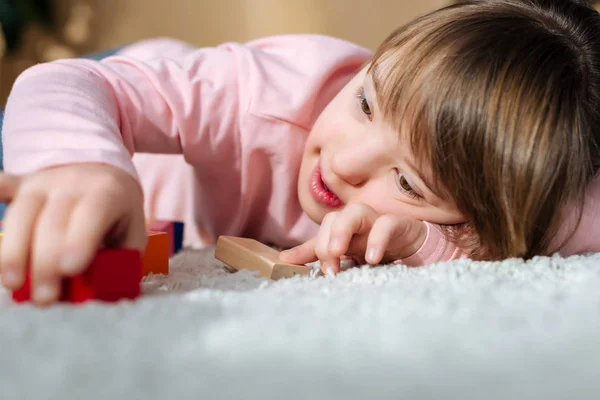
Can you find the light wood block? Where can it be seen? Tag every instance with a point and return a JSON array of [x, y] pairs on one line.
[[243, 253]]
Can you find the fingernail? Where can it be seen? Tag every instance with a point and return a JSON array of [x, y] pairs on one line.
[[9, 277], [286, 255], [44, 292], [372, 254], [329, 271]]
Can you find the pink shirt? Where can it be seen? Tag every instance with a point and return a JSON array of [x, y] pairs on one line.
[[214, 135]]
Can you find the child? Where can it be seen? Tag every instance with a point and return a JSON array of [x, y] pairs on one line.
[[471, 132]]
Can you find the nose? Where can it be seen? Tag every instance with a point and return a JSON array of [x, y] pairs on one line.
[[356, 162]]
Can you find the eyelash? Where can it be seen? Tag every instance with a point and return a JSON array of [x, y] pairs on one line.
[[410, 193], [362, 102]]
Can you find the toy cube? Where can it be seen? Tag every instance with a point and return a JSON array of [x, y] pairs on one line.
[[244, 253], [173, 229], [24, 293], [114, 274], [156, 255], [177, 236]]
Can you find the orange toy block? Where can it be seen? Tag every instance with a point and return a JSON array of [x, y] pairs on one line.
[[156, 256], [163, 226], [243, 253], [173, 228]]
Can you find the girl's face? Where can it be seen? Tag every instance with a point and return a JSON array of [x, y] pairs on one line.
[[353, 156]]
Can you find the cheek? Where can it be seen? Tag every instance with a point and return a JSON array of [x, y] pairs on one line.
[[333, 123], [387, 203], [384, 204]]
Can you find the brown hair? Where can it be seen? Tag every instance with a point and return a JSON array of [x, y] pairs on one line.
[[502, 99]]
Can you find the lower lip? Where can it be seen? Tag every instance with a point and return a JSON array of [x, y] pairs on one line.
[[320, 193]]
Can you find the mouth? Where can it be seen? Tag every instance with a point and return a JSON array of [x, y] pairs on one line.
[[321, 192]]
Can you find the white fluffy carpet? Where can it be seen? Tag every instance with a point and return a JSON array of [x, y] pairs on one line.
[[459, 330]]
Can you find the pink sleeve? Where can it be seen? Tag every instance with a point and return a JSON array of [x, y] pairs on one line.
[[434, 249], [75, 111], [586, 237]]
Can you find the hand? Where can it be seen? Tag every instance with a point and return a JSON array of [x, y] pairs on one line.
[[58, 218], [359, 231]]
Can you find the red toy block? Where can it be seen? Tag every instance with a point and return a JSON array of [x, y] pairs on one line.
[[113, 275], [24, 293]]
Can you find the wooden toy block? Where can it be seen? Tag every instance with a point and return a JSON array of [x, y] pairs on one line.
[[156, 255], [177, 236], [173, 229], [24, 293], [165, 227], [114, 274], [243, 253]]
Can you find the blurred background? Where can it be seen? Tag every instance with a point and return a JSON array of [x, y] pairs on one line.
[[33, 31]]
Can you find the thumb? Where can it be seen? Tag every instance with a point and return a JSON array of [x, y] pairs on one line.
[[131, 234], [301, 254], [137, 235]]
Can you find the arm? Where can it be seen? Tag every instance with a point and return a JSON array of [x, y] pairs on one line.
[[76, 111]]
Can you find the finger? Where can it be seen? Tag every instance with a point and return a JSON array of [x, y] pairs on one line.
[[19, 223], [356, 219], [301, 254], [9, 185], [135, 235], [386, 229], [91, 220], [46, 249], [330, 264]]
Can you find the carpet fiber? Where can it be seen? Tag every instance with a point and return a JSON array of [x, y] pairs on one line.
[[458, 330]]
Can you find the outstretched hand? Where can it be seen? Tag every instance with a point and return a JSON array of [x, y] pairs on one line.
[[58, 218], [360, 232]]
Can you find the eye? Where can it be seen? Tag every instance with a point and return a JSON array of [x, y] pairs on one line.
[[406, 188], [363, 103], [364, 106]]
